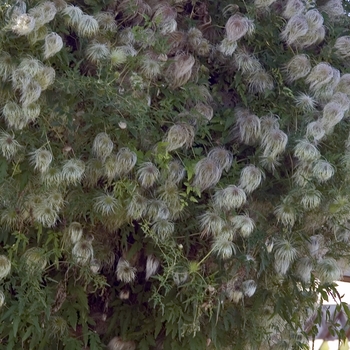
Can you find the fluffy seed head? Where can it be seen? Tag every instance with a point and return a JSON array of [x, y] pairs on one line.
[[73, 15], [227, 47], [118, 344], [179, 135], [303, 269], [211, 224], [286, 214], [314, 19], [305, 102], [152, 265], [249, 288], [45, 77], [236, 27], [106, 204], [34, 259], [126, 160], [106, 21], [246, 62], [344, 84], [97, 52], [296, 27], [87, 26], [31, 93], [247, 126], [342, 47], [157, 210], [176, 172], [315, 131], [231, 197], [73, 171], [102, 146], [9, 146], [292, 8], [311, 198], [43, 13], [328, 270], [52, 177], [53, 44], [333, 8], [333, 113], [14, 115], [179, 72], [244, 224], [110, 167], [5, 266], [23, 24], [223, 247], [31, 112], [204, 111], [163, 229], [342, 100], [137, 207], [150, 67], [251, 178], [41, 159], [320, 76], [75, 232], [285, 254], [222, 156], [268, 123], [82, 252], [298, 67], [303, 174], [207, 173], [125, 272], [147, 174], [260, 81], [118, 56], [6, 65], [323, 171], [45, 214], [274, 142], [306, 151]]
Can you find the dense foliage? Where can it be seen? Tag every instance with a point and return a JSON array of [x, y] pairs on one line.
[[173, 174]]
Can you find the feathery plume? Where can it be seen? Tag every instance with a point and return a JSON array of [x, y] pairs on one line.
[[231, 197], [298, 67], [147, 174], [207, 173], [125, 272], [251, 178], [53, 44]]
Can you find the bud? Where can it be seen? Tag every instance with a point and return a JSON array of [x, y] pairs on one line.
[[306, 151], [292, 8], [147, 174], [250, 178], [9, 146], [298, 67], [35, 260], [341, 46], [211, 224], [179, 135], [328, 270], [207, 173], [236, 27], [87, 26], [5, 266], [73, 171], [231, 197], [41, 159], [296, 27], [75, 232], [259, 82], [97, 52], [222, 156], [82, 252], [106, 204], [249, 288], [223, 247], [286, 214], [323, 171], [305, 102], [285, 254], [102, 146], [23, 24], [152, 265], [125, 272], [53, 44]]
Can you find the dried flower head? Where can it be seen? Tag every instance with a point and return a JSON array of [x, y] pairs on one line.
[[9, 146], [314, 19], [222, 156], [5, 266], [296, 27], [207, 173], [231, 197], [179, 135], [211, 223], [292, 8], [260, 81], [102, 146], [306, 151], [342, 47], [147, 174], [106, 204], [274, 142], [53, 44], [328, 270], [45, 214], [246, 62], [82, 252], [286, 214], [305, 102], [73, 171], [97, 52], [320, 76], [251, 178], [75, 232], [247, 126], [298, 67], [23, 24], [41, 159], [315, 131], [137, 207], [34, 259], [311, 198], [125, 272], [323, 171], [285, 254], [244, 224], [223, 247], [87, 26]]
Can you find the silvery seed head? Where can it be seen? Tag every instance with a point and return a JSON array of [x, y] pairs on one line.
[[286, 214], [41, 159], [328, 270], [179, 135], [314, 19], [274, 142], [296, 27], [298, 67], [45, 77], [106, 204], [23, 24], [227, 47], [102, 146], [7, 66], [342, 47], [97, 52], [207, 173], [251, 178], [222, 156], [137, 207], [315, 131], [87, 26], [147, 174], [223, 247], [30, 93], [157, 210], [231, 197], [118, 344], [249, 288], [236, 27], [45, 214], [292, 8], [246, 62], [311, 199], [303, 269], [106, 21], [53, 44], [73, 171], [14, 116], [75, 232], [305, 102], [125, 272], [5, 266], [175, 172], [244, 224], [8, 145], [247, 127], [306, 151], [126, 160], [260, 81], [211, 223], [285, 254], [82, 252], [34, 259], [320, 76], [323, 171], [152, 265]]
